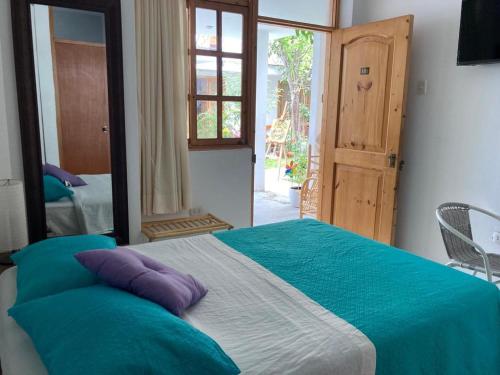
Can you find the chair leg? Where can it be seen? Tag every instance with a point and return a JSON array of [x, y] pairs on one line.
[[489, 277], [268, 148], [453, 264], [280, 152], [285, 154]]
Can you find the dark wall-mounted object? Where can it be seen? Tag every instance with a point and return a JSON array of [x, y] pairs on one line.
[[479, 40]]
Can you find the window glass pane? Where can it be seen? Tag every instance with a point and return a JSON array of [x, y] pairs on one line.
[[231, 77], [231, 120], [232, 32], [206, 75], [312, 11], [206, 29], [206, 119]]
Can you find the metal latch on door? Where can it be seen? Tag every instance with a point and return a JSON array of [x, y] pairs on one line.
[[392, 162]]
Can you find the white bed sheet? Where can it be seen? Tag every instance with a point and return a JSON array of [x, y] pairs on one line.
[[61, 217], [88, 211], [265, 325], [18, 356], [94, 204]]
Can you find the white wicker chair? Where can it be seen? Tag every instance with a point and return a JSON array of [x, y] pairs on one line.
[[454, 221], [309, 193]]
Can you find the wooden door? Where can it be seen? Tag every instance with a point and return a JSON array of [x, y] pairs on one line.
[[362, 126], [82, 100]]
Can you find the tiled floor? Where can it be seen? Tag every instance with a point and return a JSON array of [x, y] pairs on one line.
[[271, 208], [273, 205]]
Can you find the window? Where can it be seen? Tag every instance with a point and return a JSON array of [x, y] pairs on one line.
[[218, 97]]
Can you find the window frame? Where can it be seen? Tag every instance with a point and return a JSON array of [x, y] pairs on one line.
[[219, 142]]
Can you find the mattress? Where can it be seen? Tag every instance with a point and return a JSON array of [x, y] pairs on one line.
[[265, 325], [94, 204], [61, 217], [419, 316], [88, 211], [423, 317]]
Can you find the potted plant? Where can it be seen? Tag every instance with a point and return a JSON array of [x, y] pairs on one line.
[[296, 172]]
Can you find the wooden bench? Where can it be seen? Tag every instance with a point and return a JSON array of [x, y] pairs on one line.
[[186, 226]]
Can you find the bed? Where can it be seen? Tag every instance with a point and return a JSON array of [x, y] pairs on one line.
[[303, 297], [88, 211]]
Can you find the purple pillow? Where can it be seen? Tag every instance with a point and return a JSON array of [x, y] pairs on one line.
[[144, 277], [63, 176]]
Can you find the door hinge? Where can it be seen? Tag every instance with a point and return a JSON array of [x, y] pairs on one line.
[[254, 158]]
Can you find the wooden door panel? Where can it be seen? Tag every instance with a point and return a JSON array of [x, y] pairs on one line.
[[363, 106], [357, 195], [360, 159], [362, 126], [82, 95]]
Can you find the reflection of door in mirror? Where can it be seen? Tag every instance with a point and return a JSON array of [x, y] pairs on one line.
[[83, 113], [72, 90]]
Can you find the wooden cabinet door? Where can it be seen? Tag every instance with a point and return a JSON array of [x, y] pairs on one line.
[[82, 96], [362, 126]]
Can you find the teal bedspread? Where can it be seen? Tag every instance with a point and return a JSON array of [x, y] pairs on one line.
[[423, 318]]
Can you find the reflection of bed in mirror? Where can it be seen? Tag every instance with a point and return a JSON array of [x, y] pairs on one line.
[[71, 114], [88, 210]]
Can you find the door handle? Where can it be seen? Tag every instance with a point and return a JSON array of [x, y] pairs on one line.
[[392, 160]]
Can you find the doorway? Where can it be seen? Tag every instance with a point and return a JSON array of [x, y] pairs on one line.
[[354, 183], [290, 77]]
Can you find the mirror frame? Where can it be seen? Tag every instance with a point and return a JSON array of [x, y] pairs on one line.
[[28, 112]]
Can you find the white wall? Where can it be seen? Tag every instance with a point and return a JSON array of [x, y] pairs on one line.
[[131, 120], [317, 89], [221, 182], [451, 134], [261, 108], [311, 11], [42, 51], [10, 144]]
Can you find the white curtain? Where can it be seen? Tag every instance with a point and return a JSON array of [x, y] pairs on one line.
[[162, 69]]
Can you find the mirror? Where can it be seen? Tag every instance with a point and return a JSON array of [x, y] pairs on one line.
[[69, 47], [70, 92]]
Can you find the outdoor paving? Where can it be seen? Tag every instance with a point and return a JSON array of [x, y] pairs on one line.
[[269, 208], [272, 205]]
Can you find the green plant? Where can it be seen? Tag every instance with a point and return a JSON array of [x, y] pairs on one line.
[[305, 113], [232, 83], [298, 163], [295, 53], [207, 124], [231, 120], [231, 114], [270, 163]]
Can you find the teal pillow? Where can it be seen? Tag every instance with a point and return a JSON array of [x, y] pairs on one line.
[[53, 189], [49, 266], [106, 331]]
